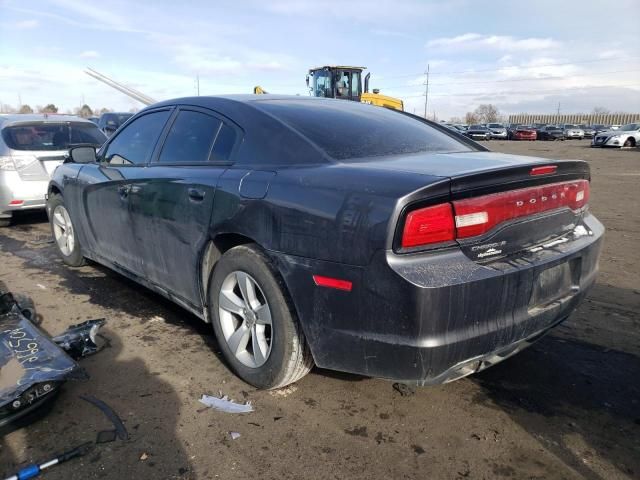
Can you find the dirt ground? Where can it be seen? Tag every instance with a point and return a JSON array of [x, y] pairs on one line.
[[568, 407]]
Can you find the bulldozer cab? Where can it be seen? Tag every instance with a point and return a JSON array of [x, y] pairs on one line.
[[341, 82]]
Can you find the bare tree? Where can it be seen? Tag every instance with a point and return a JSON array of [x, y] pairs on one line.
[[487, 113], [470, 118], [600, 111], [4, 108], [25, 109], [455, 120], [104, 110], [84, 111], [50, 108]]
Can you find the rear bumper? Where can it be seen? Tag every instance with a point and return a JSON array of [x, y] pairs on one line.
[[430, 318], [13, 188]]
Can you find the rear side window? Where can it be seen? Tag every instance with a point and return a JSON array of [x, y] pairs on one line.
[[225, 141], [134, 144], [51, 136], [351, 130], [190, 138]]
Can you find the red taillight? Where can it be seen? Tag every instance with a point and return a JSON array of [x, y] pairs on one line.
[[332, 283], [476, 216], [16, 202], [429, 225]]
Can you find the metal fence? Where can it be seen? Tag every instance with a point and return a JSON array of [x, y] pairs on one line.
[[579, 118]]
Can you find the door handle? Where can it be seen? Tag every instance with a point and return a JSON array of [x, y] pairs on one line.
[[196, 194], [123, 190]]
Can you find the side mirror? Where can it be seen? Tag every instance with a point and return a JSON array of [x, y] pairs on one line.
[[84, 154]]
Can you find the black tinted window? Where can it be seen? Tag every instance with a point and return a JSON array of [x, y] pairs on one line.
[[51, 136], [190, 138], [348, 130], [224, 144], [135, 143]]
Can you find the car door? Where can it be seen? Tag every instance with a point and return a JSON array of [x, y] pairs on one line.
[[106, 189], [172, 206]]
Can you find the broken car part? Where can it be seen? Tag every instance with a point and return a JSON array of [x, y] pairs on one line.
[[32, 367], [110, 414], [80, 340], [34, 470]]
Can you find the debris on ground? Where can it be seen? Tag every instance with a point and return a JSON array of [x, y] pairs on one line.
[[403, 389], [284, 392], [113, 417], [224, 404], [80, 340], [34, 470], [234, 435], [32, 366], [144, 456]]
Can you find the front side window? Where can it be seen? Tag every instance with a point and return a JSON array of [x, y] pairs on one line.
[[134, 145], [190, 138], [322, 84]]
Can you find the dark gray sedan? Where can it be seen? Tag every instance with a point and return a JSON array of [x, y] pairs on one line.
[[317, 231]]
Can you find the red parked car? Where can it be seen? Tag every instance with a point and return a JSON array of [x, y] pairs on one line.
[[525, 133]]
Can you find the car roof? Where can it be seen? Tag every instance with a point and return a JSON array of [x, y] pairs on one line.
[[16, 118]]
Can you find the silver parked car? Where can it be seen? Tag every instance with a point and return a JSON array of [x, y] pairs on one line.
[[498, 131], [625, 136], [31, 147], [573, 131]]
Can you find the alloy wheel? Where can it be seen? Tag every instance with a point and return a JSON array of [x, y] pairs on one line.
[[63, 230], [245, 319]]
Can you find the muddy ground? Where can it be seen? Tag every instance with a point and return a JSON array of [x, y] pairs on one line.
[[568, 407]]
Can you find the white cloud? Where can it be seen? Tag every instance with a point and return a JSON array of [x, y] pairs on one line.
[[477, 41], [26, 24], [89, 54]]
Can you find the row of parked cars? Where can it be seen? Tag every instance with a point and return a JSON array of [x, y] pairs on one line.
[[32, 146], [601, 135]]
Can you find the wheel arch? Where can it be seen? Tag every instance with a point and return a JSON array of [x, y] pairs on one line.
[[213, 250]]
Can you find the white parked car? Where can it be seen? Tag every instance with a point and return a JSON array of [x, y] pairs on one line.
[[573, 131], [625, 136]]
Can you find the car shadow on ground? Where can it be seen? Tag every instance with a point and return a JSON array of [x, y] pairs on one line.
[[135, 392], [581, 401]]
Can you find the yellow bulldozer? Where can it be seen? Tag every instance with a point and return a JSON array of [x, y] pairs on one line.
[[344, 83]]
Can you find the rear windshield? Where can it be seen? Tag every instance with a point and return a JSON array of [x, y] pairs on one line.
[[51, 136], [116, 119], [348, 130]]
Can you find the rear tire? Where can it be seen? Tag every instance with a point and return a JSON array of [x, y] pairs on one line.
[[267, 355], [5, 222], [630, 142], [64, 234]]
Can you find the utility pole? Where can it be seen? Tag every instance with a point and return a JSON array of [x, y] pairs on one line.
[[558, 108], [426, 92], [198, 84]]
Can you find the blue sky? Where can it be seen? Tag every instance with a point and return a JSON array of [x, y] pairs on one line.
[[520, 56]]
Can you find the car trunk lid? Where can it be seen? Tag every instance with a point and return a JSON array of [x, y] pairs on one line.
[[499, 204]]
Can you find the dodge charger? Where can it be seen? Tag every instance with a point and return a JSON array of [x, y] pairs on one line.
[[313, 231]]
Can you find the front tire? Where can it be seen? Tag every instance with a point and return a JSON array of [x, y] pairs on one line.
[[63, 232], [255, 322]]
